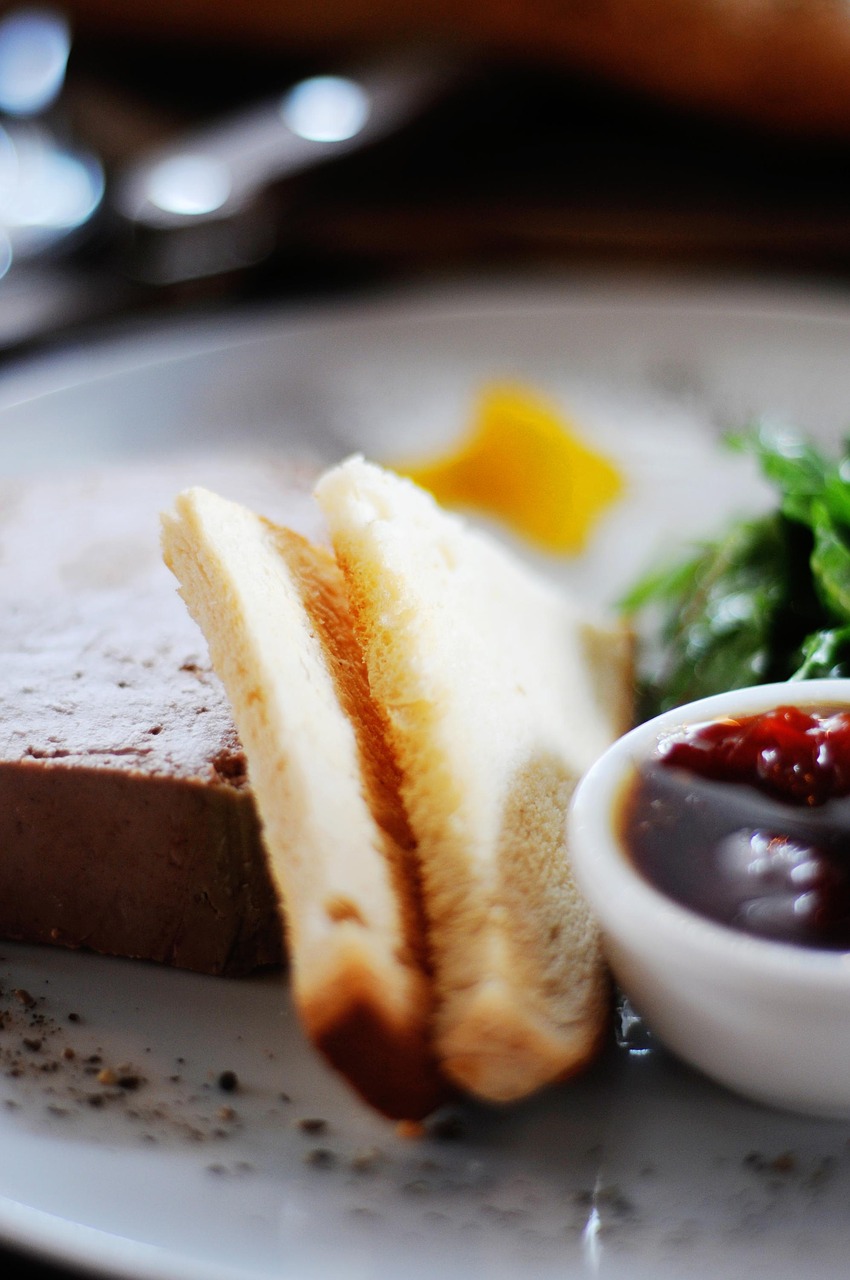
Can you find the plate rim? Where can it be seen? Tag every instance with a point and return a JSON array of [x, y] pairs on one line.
[[43, 1235]]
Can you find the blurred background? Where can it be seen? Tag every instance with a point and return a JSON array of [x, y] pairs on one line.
[[153, 160]]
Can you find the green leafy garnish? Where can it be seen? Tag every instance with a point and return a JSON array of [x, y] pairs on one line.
[[769, 600]]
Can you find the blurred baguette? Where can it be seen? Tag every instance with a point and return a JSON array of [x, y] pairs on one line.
[[780, 64]]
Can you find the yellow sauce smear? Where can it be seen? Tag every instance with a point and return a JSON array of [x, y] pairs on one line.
[[523, 463]]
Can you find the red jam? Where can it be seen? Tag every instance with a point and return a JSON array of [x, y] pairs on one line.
[[747, 822], [799, 756]]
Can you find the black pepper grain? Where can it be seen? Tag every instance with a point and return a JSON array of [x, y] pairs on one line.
[[320, 1158], [366, 1161], [312, 1124], [448, 1126]]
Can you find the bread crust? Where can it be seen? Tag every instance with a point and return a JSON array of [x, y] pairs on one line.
[[499, 694], [416, 713], [274, 612]]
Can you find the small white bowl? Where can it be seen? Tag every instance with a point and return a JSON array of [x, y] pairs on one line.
[[767, 1019]]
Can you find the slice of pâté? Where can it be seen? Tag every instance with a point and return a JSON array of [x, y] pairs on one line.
[[127, 825]]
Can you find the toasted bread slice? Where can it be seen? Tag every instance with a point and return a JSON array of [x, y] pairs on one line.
[[499, 693], [274, 612]]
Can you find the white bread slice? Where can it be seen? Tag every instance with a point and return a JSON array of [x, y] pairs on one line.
[[500, 693], [273, 609]]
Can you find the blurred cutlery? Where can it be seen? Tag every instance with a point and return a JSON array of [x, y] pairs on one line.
[[196, 207]]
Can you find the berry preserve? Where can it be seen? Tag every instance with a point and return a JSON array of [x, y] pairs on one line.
[[747, 821]]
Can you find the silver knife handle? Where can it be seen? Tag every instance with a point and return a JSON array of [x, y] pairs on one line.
[[214, 173]]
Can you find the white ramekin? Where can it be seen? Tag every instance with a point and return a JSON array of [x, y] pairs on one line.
[[767, 1019]]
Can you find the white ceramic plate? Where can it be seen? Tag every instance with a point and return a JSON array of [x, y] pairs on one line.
[[641, 1169]]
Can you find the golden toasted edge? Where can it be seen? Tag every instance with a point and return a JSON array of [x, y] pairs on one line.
[[366, 1001], [509, 1019]]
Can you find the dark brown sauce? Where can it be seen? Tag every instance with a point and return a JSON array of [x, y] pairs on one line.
[[747, 822]]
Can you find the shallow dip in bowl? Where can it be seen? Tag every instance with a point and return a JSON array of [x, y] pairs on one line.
[[769, 1019]]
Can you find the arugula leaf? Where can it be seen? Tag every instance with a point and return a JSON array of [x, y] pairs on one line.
[[716, 616], [769, 599], [831, 563], [836, 494], [825, 653], [662, 584], [796, 468]]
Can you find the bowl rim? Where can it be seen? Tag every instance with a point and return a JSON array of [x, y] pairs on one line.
[[629, 906]]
